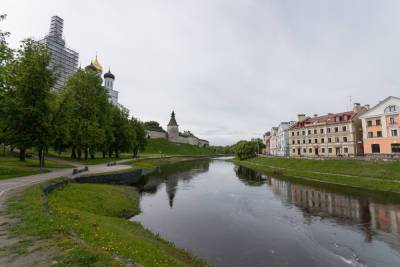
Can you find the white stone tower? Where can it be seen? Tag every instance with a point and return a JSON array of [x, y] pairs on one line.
[[109, 84], [173, 128]]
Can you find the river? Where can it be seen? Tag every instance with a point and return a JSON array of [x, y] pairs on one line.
[[233, 216]]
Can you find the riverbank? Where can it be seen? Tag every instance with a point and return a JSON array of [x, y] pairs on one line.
[[382, 176], [88, 224]]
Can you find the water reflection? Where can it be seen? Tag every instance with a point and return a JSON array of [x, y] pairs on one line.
[[234, 216], [170, 175], [372, 218]]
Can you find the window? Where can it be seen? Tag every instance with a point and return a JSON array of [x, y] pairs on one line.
[[395, 148], [321, 131], [294, 151], [304, 150], [293, 142], [322, 140], [316, 141], [344, 128], [329, 140], [323, 150], [375, 148], [345, 139], [315, 131], [292, 133], [309, 131], [346, 150], [378, 122], [298, 142], [394, 132], [369, 123], [337, 139], [393, 120], [370, 135], [303, 133], [379, 133], [304, 141], [328, 130], [310, 150], [298, 133], [309, 141], [336, 129], [330, 150]]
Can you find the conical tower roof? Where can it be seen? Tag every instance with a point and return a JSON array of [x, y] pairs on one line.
[[172, 121]]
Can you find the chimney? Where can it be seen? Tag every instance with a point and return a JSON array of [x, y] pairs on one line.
[[315, 115], [301, 117], [356, 107], [367, 107]]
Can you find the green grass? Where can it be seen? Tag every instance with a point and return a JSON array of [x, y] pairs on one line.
[[97, 160], [150, 164], [88, 224], [383, 176], [11, 167], [162, 146]]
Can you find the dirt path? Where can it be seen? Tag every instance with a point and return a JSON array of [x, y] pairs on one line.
[[34, 253]]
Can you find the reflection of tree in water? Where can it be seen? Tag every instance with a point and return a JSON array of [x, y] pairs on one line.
[[249, 176], [172, 174]]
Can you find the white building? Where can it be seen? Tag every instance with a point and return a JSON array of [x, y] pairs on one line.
[[273, 142], [282, 139]]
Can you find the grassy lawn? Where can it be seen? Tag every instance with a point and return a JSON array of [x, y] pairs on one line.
[[163, 147], [12, 167], [88, 224], [384, 176], [151, 164]]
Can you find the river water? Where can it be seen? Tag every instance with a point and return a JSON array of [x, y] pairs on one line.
[[233, 216]]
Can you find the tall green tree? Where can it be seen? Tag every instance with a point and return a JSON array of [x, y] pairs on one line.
[[85, 100], [6, 57], [140, 141], [124, 134], [29, 106]]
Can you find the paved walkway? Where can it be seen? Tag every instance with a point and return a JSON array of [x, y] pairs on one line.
[[9, 185]]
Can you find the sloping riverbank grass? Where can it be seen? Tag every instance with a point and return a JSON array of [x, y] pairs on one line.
[[11, 167], [164, 147], [88, 224], [151, 164], [383, 176]]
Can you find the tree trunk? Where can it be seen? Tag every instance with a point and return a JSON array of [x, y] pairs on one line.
[[104, 154], [22, 154], [110, 153], [73, 153], [117, 153], [41, 157], [86, 154], [79, 154]]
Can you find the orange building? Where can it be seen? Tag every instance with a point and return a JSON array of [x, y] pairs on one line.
[[381, 128]]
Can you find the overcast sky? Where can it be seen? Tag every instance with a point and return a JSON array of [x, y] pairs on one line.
[[231, 69]]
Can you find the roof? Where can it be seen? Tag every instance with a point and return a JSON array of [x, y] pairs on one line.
[[172, 121], [377, 105], [331, 118], [109, 75]]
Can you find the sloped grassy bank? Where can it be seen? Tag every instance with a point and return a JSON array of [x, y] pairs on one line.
[[88, 224], [374, 176]]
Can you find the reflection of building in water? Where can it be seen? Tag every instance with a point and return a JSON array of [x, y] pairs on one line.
[[378, 220], [172, 177], [385, 218]]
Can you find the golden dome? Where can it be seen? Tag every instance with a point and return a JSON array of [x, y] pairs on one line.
[[95, 62]]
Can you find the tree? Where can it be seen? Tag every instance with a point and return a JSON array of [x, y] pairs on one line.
[[140, 141], [85, 100], [124, 134], [6, 57], [29, 99], [246, 149], [151, 125]]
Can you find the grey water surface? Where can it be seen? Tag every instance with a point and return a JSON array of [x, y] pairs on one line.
[[233, 216]]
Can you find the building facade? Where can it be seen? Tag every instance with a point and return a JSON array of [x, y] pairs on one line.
[[173, 135], [266, 141], [282, 139], [381, 128], [273, 142], [331, 135], [63, 59]]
